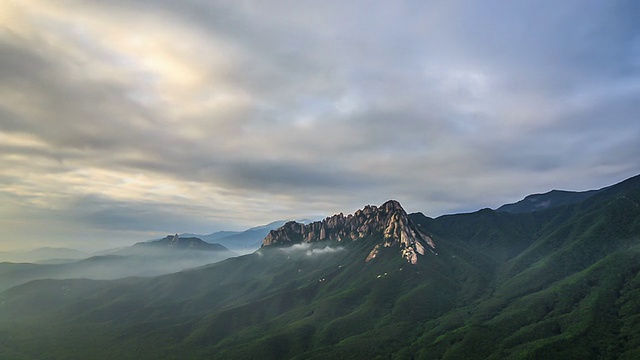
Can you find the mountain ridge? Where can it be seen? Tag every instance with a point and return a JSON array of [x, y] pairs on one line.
[[562, 282], [182, 243], [389, 222], [154, 258], [550, 199]]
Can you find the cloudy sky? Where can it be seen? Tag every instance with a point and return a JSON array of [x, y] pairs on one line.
[[124, 120]]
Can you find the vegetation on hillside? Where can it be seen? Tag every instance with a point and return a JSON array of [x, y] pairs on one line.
[[559, 283]]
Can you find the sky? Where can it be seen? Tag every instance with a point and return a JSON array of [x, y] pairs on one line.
[[124, 120]]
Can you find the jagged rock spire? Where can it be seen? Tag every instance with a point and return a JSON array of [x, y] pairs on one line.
[[388, 221]]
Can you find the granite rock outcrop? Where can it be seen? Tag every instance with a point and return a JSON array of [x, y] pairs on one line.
[[388, 224]]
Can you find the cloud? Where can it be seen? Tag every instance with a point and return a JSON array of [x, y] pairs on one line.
[[324, 250], [220, 115], [308, 250]]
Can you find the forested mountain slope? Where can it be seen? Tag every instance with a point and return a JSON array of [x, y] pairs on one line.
[[555, 283]]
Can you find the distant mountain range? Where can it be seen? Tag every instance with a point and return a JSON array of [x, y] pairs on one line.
[[180, 243], [241, 241], [245, 241], [46, 254], [154, 258], [149, 258], [555, 277]]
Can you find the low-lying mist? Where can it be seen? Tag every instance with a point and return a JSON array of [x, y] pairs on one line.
[[310, 250], [144, 262]]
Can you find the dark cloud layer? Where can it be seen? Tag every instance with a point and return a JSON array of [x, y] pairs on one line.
[[124, 119]]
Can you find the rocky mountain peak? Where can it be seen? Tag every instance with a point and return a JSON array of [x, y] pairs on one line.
[[173, 240], [388, 222]]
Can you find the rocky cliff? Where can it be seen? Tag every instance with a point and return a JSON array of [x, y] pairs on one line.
[[388, 222]]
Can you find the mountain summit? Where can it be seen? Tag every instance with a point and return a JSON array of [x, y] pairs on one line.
[[388, 224], [182, 243]]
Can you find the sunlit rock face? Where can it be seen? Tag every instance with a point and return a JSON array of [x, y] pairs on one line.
[[388, 221]]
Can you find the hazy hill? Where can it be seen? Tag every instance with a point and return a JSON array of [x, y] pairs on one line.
[[44, 254], [164, 256], [558, 283], [176, 242]]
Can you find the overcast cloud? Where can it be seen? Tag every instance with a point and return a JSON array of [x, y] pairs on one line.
[[125, 120]]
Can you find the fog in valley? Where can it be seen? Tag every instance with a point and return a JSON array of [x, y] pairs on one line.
[[19, 268]]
